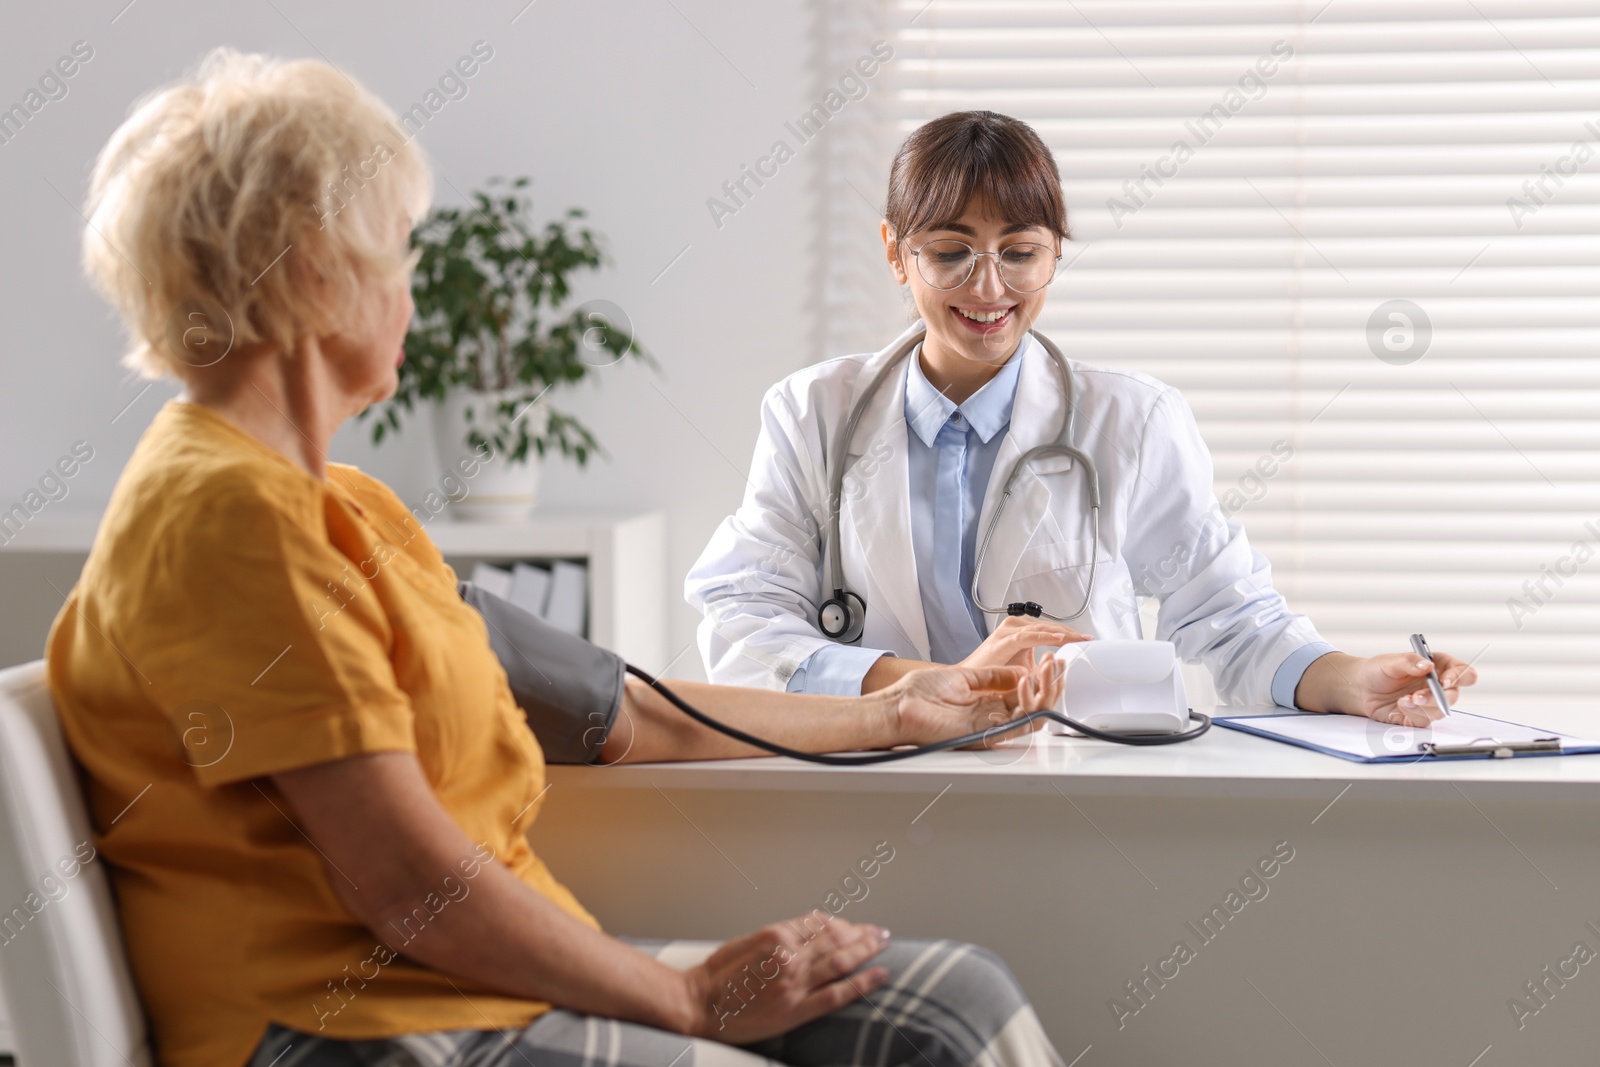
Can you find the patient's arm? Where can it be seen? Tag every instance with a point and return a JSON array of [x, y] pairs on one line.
[[584, 708], [924, 706], [379, 826], [390, 841]]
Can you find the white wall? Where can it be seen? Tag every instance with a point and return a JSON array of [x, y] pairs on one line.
[[636, 110]]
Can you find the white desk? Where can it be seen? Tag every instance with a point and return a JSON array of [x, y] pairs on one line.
[[1419, 900]]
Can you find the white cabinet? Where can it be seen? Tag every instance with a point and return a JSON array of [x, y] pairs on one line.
[[626, 559], [625, 556]]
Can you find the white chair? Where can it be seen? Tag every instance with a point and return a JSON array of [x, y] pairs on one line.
[[67, 988]]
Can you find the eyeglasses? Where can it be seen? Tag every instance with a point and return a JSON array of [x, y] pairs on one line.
[[1025, 267]]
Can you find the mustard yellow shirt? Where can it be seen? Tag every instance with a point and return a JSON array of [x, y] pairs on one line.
[[237, 618]]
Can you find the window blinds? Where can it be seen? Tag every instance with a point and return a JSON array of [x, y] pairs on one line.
[[1362, 235]]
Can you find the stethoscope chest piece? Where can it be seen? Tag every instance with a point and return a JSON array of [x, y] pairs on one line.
[[842, 616]]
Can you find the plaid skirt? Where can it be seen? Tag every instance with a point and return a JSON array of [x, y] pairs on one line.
[[947, 1004]]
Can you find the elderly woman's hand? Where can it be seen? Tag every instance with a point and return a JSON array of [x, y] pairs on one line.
[[783, 976], [936, 703]]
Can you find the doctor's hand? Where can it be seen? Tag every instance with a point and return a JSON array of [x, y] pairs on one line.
[[935, 703], [1013, 641], [1390, 688]]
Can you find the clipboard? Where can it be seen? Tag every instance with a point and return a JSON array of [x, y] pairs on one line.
[[1461, 735]]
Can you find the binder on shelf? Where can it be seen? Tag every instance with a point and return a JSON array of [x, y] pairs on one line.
[[568, 603], [530, 587], [492, 579]]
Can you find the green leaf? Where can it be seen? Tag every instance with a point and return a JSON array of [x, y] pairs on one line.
[[491, 291]]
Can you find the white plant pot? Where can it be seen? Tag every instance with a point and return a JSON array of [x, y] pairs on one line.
[[501, 491]]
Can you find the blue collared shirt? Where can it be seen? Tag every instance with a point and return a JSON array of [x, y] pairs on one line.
[[950, 453], [951, 450]]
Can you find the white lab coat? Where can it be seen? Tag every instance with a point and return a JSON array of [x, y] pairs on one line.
[[761, 578]]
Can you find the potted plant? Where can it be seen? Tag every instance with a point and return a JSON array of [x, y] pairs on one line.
[[492, 336]]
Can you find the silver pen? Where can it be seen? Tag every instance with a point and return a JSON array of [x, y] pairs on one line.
[[1419, 645]]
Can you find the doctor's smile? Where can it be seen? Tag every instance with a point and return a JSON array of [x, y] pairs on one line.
[[985, 321], [978, 280]]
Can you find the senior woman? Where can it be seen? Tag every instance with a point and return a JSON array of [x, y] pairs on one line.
[[316, 820]]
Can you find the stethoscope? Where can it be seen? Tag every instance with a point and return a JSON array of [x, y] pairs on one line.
[[843, 615]]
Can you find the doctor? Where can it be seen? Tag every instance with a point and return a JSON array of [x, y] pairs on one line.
[[973, 228]]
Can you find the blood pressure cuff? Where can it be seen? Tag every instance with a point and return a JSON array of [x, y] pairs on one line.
[[569, 689]]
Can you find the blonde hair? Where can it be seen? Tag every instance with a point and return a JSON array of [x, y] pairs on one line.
[[261, 191]]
